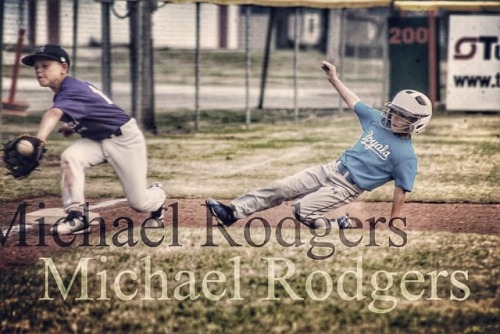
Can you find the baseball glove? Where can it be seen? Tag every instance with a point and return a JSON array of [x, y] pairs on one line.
[[21, 164]]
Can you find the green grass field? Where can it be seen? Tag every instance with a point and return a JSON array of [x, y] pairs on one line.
[[459, 157], [437, 283]]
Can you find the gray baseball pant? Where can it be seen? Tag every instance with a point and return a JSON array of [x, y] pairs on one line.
[[319, 189], [127, 154]]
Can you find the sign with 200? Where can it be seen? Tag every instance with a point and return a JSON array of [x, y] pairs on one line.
[[408, 35], [409, 44]]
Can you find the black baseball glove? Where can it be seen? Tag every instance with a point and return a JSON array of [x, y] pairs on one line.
[[21, 164]]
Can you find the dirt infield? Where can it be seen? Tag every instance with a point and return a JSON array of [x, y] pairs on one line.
[[455, 218]]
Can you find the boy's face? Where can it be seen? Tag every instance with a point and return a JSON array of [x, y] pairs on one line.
[[401, 123], [50, 73]]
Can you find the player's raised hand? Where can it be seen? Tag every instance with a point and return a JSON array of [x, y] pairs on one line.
[[330, 70], [347, 95]]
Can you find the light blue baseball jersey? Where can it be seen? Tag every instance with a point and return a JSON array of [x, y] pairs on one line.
[[380, 156]]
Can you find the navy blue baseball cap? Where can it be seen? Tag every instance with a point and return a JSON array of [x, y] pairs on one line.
[[48, 51]]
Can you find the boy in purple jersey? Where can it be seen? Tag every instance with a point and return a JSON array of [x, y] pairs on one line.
[[383, 153], [108, 135]]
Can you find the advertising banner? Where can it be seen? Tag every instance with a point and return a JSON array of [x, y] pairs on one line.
[[473, 82]]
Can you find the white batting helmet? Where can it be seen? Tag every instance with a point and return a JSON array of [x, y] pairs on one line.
[[412, 108]]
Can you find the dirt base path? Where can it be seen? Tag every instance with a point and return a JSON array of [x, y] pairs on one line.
[[456, 218]]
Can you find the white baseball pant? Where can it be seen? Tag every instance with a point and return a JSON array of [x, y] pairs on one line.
[[320, 190], [127, 154]]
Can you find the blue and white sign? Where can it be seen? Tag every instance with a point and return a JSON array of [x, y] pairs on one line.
[[473, 81]]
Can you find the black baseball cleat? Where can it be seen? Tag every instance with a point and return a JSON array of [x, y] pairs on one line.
[[155, 218], [223, 213], [344, 222], [74, 223]]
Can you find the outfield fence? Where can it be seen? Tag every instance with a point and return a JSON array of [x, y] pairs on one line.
[[210, 57]]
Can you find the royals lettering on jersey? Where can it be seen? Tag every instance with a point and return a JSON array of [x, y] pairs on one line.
[[371, 143], [89, 111], [380, 156]]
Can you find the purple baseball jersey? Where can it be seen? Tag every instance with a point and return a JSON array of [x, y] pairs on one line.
[[91, 113]]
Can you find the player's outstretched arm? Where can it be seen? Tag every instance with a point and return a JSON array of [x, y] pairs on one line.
[[48, 123], [347, 95], [398, 202]]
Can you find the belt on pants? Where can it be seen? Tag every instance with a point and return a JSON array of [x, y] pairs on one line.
[[117, 133], [344, 172]]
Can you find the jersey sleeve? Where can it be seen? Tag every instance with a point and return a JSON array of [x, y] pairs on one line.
[[72, 106], [366, 114], [405, 174]]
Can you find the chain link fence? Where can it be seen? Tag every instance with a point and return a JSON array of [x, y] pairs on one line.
[[225, 67]]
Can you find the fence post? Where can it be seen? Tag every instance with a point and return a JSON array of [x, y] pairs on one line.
[[146, 65], [296, 42], [1, 58], [75, 37], [247, 66], [106, 47], [342, 52], [197, 70], [135, 56], [265, 62]]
